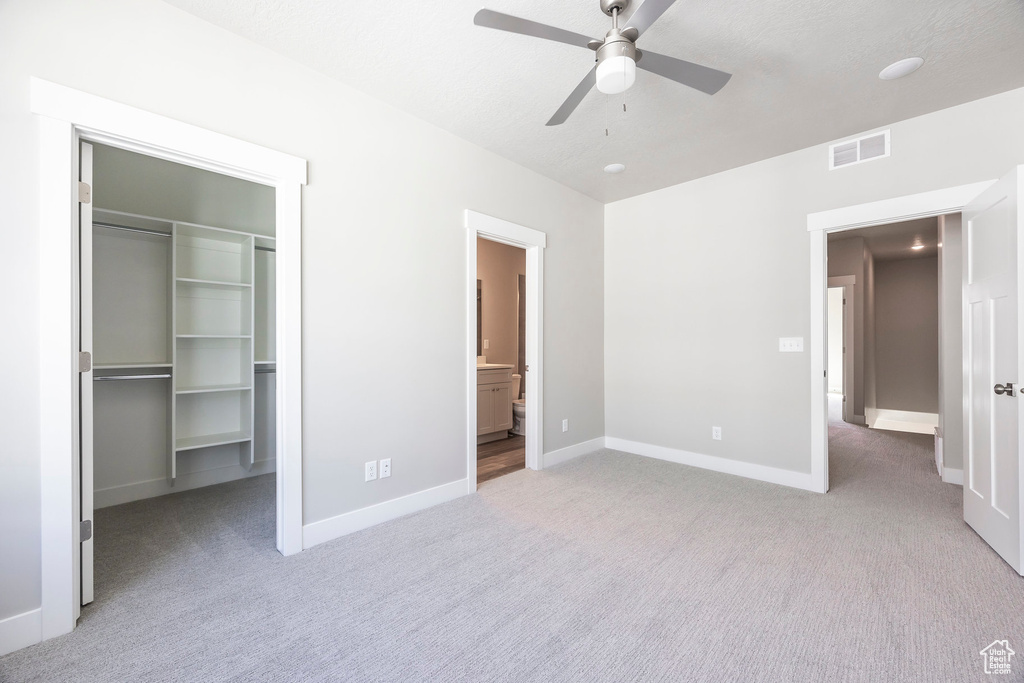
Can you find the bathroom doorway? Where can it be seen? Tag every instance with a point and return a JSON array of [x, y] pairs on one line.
[[501, 359], [505, 375]]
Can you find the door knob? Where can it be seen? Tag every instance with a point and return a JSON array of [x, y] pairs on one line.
[[1008, 389]]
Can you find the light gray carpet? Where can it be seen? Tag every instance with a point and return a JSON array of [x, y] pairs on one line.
[[611, 567]]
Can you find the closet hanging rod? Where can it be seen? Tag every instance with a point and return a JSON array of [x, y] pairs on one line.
[[265, 249], [264, 371], [98, 224], [108, 378]]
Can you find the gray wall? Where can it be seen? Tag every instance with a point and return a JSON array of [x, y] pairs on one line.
[[951, 378], [907, 334], [684, 327], [135, 183], [384, 257], [498, 269], [848, 257]]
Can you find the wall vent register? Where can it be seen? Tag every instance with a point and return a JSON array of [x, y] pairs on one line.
[[859, 150]]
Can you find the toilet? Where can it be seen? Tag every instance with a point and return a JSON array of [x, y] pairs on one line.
[[518, 408]]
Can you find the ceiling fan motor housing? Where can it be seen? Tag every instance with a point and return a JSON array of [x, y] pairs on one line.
[[608, 6], [617, 45]]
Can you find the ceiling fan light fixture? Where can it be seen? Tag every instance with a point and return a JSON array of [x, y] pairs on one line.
[[616, 74]]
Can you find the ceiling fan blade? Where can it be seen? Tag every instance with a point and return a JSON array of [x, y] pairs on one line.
[[574, 99], [648, 13], [702, 78], [506, 22]]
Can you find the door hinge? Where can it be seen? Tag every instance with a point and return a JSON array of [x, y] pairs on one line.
[[85, 531], [84, 361], [84, 192]]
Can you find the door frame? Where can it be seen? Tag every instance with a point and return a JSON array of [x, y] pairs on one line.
[[848, 284], [534, 242], [65, 117], [909, 207]]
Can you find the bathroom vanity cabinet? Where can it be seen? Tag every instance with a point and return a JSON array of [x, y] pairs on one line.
[[493, 402]]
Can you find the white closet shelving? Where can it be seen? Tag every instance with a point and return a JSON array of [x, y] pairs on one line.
[[213, 341], [191, 307]]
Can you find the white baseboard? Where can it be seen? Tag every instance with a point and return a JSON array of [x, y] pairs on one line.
[[772, 475], [115, 495], [21, 630], [569, 452], [951, 476], [331, 528], [902, 420]]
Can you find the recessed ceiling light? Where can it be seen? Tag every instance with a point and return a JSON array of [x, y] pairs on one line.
[[917, 246], [614, 168], [902, 68]]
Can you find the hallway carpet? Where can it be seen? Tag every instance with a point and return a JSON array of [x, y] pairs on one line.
[[611, 567]]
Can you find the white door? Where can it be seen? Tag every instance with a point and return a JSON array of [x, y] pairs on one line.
[[992, 484], [86, 378]]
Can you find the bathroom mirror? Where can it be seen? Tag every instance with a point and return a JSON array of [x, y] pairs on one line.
[[479, 320]]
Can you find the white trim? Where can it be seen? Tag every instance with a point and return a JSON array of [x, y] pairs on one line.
[[534, 242], [66, 116], [925, 204], [331, 528], [504, 231], [21, 630], [951, 476], [902, 420], [569, 452], [151, 488], [288, 366], [110, 122], [772, 475], [842, 281]]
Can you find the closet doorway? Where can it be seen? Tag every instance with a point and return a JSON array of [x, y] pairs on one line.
[[177, 304], [64, 117]]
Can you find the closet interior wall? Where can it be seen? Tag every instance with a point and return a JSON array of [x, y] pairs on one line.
[[183, 327]]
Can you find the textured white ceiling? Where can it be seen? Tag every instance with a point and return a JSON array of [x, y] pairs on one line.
[[894, 241], [805, 72]]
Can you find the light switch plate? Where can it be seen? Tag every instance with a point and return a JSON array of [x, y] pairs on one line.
[[791, 344], [487, 343], [385, 468]]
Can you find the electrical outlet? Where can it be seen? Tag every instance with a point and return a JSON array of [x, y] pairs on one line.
[[565, 425], [716, 433], [371, 470], [385, 468]]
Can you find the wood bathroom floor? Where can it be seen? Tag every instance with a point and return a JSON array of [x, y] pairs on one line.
[[500, 457]]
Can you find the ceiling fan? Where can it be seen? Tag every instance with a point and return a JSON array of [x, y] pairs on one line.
[[617, 56]]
